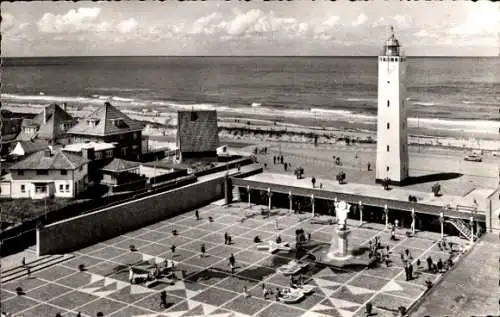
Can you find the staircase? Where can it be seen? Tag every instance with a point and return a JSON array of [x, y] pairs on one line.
[[36, 265], [462, 227]]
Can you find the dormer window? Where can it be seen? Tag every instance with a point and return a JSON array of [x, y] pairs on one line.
[[119, 123], [92, 122]]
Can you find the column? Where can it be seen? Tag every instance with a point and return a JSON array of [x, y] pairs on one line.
[[413, 221], [248, 191], [471, 221], [269, 198], [360, 213], [312, 204], [290, 198], [386, 211], [441, 220]]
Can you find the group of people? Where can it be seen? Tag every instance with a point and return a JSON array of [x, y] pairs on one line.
[[376, 250]]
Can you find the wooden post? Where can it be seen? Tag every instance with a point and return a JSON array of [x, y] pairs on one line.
[[441, 220], [360, 213], [312, 204], [386, 211], [248, 191], [269, 198], [413, 221], [290, 197]]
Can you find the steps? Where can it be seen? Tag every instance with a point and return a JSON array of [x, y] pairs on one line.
[[461, 227], [36, 265]]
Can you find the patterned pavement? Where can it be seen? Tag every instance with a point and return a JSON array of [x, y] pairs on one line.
[[206, 286]]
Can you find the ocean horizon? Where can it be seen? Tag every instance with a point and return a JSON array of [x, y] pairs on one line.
[[461, 93]]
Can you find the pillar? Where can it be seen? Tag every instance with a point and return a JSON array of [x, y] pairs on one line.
[[290, 198], [248, 191], [413, 221], [471, 220], [228, 190], [269, 198], [312, 204], [360, 213], [441, 220], [386, 211]]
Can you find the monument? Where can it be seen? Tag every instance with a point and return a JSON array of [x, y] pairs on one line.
[[339, 254]]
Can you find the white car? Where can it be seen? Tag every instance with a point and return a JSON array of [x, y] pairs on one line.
[[473, 158]]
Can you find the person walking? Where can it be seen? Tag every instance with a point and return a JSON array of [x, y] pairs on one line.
[[429, 263], [172, 248], [197, 214], [245, 292], [163, 299], [23, 262], [232, 262], [28, 272], [226, 235], [203, 250]]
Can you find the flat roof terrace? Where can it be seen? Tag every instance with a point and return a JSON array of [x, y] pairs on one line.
[[373, 195], [206, 285]]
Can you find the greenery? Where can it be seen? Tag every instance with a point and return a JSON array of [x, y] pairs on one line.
[[20, 210]]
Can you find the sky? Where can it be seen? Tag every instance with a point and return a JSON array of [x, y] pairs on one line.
[[255, 27]]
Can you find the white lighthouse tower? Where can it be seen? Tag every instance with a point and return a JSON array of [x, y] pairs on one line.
[[392, 134]]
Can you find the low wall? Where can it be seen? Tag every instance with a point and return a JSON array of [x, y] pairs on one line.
[[75, 233]]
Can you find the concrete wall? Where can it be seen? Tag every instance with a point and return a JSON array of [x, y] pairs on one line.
[[78, 232]]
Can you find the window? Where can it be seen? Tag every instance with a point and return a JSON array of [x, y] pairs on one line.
[[61, 188], [64, 172], [124, 151], [98, 155], [135, 147], [388, 125], [109, 153], [387, 148], [135, 135], [388, 103], [67, 188], [20, 172], [42, 172], [23, 188], [40, 188], [387, 168]]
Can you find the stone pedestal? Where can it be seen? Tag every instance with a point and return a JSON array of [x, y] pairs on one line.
[[342, 242]]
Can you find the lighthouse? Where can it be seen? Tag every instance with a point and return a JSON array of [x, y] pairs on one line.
[[392, 133]]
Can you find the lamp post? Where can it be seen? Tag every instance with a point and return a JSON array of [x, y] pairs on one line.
[[471, 221], [413, 221], [360, 213], [290, 198], [441, 220], [386, 211], [269, 198], [312, 204], [248, 192]]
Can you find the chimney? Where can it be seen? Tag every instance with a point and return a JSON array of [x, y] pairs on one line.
[[88, 153]]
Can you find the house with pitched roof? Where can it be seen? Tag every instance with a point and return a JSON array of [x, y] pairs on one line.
[[46, 173], [51, 125], [110, 125], [197, 134]]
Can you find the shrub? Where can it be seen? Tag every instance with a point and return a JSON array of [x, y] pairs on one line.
[[436, 188]]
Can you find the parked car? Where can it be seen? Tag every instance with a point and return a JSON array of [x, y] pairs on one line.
[[473, 158]]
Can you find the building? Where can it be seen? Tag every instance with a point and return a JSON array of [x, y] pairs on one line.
[[392, 133], [109, 125], [24, 148], [47, 173], [98, 153], [10, 128], [51, 125], [197, 134]]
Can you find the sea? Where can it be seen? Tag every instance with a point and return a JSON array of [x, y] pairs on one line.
[[447, 93]]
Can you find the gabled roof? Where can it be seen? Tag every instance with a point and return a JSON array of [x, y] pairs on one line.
[[51, 128], [54, 118], [120, 165], [108, 120], [197, 131], [30, 147], [58, 160]]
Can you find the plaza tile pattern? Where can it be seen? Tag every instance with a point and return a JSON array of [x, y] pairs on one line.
[[207, 287]]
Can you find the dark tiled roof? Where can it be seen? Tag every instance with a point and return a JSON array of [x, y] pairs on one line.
[[59, 160], [197, 131], [33, 146], [108, 120], [120, 165], [52, 128]]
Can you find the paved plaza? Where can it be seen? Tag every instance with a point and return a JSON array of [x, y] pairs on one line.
[[206, 286]]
